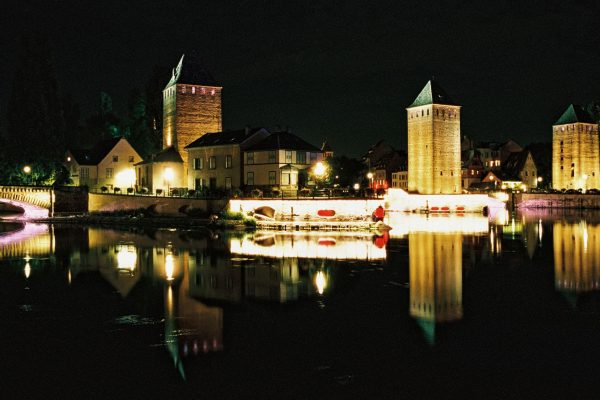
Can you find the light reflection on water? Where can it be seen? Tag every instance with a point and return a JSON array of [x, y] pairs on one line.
[[201, 276]]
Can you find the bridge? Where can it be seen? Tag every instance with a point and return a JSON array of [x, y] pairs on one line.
[[42, 201]]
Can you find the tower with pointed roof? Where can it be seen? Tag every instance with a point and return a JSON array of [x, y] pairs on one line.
[[434, 142], [191, 105], [575, 152]]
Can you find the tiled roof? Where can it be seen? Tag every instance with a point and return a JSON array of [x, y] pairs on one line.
[[515, 162], [170, 154], [96, 154], [432, 93], [223, 138], [573, 114], [283, 141], [190, 70]]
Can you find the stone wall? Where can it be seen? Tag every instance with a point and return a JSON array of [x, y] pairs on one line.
[[575, 156], [69, 199], [547, 200], [168, 206]]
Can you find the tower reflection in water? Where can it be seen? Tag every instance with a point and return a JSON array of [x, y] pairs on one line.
[[576, 258], [435, 249]]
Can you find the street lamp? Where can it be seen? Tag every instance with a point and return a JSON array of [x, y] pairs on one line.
[[319, 170], [27, 171], [370, 178]]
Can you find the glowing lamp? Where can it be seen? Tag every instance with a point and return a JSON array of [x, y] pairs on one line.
[[27, 169], [356, 186], [319, 169], [169, 174], [126, 178]]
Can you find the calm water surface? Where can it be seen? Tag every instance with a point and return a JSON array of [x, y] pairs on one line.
[[442, 307]]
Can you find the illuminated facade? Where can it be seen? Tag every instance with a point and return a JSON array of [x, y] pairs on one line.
[[191, 105], [434, 142], [110, 163], [435, 279], [575, 153], [162, 173]]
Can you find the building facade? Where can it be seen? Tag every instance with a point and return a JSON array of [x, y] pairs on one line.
[[575, 153], [216, 159], [191, 105], [109, 164], [434, 142], [161, 174]]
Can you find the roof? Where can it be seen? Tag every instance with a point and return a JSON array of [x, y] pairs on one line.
[[515, 162], [223, 138], [96, 154], [190, 70], [283, 140], [504, 175], [170, 154], [575, 113], [432, 93]]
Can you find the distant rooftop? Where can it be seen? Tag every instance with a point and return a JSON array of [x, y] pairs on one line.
[[191, 70], [432, 93], [170, 154], [284, 141], [575, 113]]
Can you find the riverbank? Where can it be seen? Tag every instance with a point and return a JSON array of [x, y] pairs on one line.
[[129, 221]]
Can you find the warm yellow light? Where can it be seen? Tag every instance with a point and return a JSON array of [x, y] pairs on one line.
[[126, 259], [356, 186], [370, 175], [27, 270], [319, 169], [169, 267], [27, 169], [539, 179], [169, 174], [320, 282], [125, 178], [68, 158]]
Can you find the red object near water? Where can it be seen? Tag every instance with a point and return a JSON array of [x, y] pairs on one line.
[[445, 209], [460, 208], [326, 242], [326, 213], [434, 209]]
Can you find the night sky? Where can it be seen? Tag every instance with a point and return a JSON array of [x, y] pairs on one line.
[[341, 70]]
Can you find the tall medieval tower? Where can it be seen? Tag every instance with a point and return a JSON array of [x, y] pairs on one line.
[[575, 153], [433, 142], [191, 106]]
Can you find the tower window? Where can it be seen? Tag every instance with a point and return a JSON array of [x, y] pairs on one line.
[[193, 90], [203, 90], [212, 92], [441, 173], [183, 89]]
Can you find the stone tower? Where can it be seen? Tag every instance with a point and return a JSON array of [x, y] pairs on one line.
[[191, 105], [433, 142], [575, 153]]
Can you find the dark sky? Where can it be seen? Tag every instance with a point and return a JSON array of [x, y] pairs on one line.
[[344, 70]]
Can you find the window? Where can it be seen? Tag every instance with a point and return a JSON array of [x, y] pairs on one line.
[[272, 180], [198, 163], [572, 173], [197, 183], [272, 156], [130, 158], [228, 161], [115, 158], [532, 173], [285, 178], [313, 157], [300, 157], [212, 183], [288, 156], [441, 173], [212, 162], [250, 157], [193, 90], [85, 172], [526, 173], [250, 178], [109, 173], [227, 182]]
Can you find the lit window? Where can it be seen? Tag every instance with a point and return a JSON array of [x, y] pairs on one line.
[[109, 173], [183, 89], [272, 156], [250, 178], [212, 92], [228, 161], [198, 163], [203, 90], [193, 90], [212, 162], [250, 157], [288, 156]]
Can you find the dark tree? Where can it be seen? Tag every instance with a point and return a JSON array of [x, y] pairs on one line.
[[35, 129], [348, 171]]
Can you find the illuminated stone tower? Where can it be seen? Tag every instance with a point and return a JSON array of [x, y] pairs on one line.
[[435, 274], [575, 153], [433, 142], [191, 105]]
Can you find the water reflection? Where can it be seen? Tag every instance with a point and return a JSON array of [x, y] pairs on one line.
[[435, 279], [576, 257]]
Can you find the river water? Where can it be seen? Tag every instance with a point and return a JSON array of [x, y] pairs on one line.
[[444, 306]]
